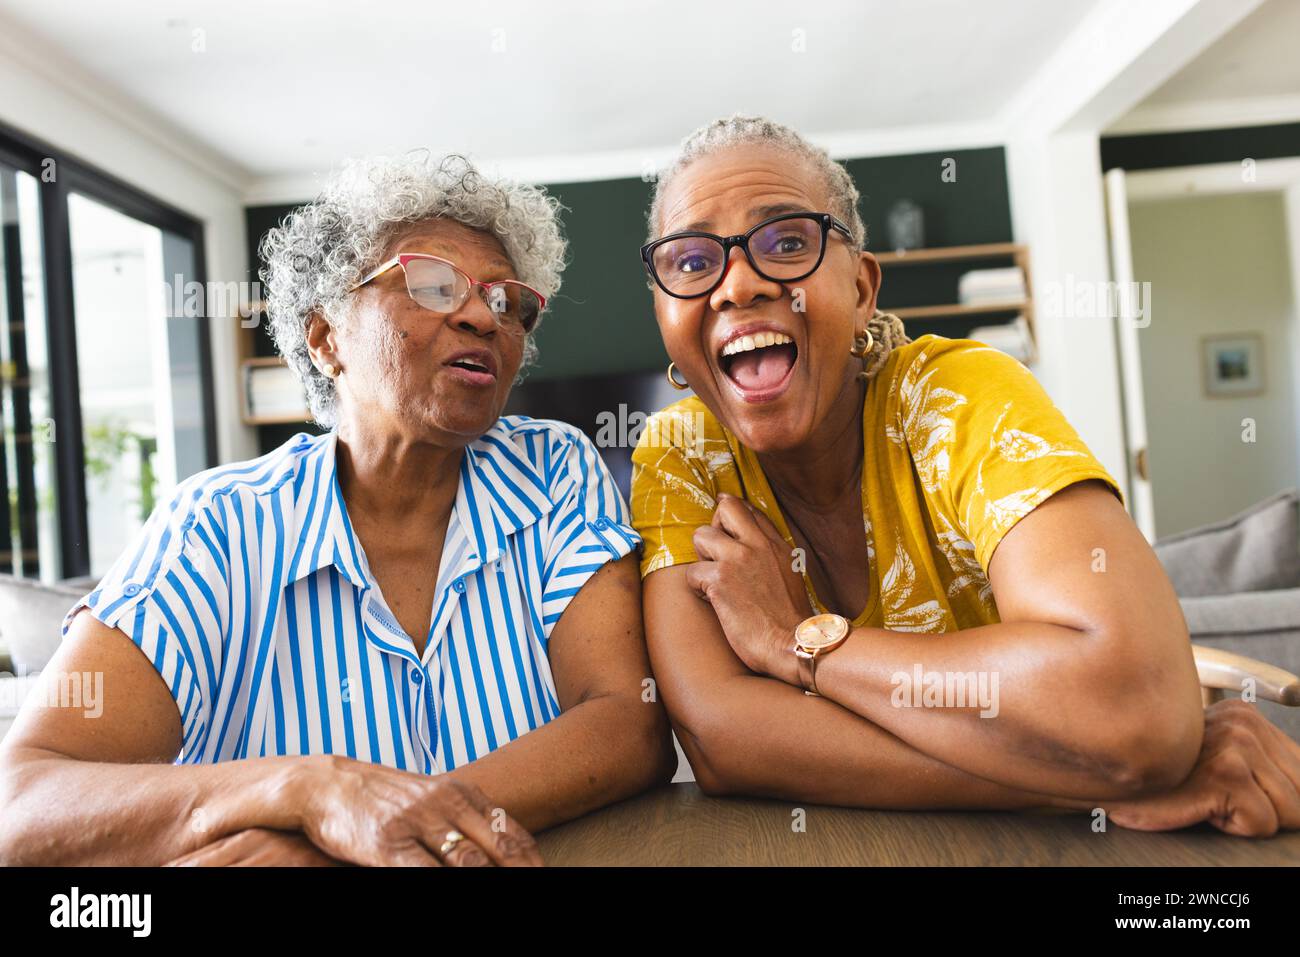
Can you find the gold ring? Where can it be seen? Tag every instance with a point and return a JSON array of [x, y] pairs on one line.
[[450, 841]]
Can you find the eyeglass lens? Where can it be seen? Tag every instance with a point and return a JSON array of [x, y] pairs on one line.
[[440, 288], [786, 249]]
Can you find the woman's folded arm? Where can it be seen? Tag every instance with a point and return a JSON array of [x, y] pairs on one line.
[[131, 806], [751, 734], [1093, 687], [128, 806], [611, 738]]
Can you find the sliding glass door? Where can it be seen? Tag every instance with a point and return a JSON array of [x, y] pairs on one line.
[[104, 366], [138, 367], [29, 517]]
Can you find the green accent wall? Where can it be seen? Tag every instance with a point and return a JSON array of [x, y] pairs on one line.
[[1194, 147], [602, 321]]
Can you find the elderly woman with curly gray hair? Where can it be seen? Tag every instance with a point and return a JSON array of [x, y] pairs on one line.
[[411, 640]]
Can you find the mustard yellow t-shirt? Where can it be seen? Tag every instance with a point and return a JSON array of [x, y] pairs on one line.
[[960, 442]]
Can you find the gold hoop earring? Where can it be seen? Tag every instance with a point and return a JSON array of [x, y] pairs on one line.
[[862, 345], [672, 379]]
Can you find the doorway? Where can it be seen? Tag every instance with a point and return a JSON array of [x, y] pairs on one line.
[[1215, 358]]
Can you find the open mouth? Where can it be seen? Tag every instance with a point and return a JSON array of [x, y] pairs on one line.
[[471, 365], [475, 368], [759, 365]]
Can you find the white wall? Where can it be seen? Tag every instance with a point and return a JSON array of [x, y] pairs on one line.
[[50, 98], [1120, 54], [1291, 200], [1058, 208], [1217, 265]]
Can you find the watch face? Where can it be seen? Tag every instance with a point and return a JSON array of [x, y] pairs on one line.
[[821, 631]]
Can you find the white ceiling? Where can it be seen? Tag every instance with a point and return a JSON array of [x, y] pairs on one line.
[[1249, 75], [287, 89], [1258, 57]]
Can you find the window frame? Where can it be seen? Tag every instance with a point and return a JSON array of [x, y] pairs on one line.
[[28, 154]]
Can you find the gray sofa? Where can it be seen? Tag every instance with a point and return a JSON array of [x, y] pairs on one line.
[[30, 618], [1238, 581]]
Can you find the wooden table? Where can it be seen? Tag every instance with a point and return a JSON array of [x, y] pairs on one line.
[[679, 825]]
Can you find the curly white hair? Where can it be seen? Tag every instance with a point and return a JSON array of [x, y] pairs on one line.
[[322, 249], [739, 129]]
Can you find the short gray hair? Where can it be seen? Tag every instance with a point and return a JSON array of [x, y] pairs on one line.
[[887, 330], [739, 129], [322, 249]]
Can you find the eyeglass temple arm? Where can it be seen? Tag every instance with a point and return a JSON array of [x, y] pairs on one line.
[[377, 272]]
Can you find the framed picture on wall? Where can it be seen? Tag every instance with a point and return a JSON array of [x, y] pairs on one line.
[[1233, 365]]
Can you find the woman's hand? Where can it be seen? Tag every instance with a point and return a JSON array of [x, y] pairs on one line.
[[372, 815], [258, 847], [1246, 781], [746, 573]]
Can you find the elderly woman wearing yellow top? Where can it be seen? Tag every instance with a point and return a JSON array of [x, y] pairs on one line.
[[835, 497]]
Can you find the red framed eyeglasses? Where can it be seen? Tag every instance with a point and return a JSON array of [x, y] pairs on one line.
[[443, 287]]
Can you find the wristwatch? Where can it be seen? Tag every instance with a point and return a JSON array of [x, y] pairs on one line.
[[817, 636]]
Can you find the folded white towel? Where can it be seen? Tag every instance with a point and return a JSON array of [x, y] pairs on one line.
[[991, 285], [1014, 338]]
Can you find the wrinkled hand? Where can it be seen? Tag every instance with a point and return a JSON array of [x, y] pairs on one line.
[[1246, 781], [746, 572], [374, 815], [258, 847]]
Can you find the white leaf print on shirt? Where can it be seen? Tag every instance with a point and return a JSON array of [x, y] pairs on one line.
[[871, 539], [927, 424], [1009, 509], [1017, 445], [662, 558], [896, 590], [960, 553]]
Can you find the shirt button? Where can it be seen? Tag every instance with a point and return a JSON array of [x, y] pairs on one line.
[[131, 589], [602, 523], [459, 586], [417, 677]]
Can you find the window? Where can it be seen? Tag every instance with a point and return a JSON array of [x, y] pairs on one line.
[[105, 382]]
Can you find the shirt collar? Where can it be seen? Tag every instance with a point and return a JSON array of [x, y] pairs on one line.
[[500, 493]]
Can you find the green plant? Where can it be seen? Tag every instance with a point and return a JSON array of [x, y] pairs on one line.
[[107, 443]]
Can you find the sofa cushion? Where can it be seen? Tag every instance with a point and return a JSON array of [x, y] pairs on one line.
[[1246, 614], [1255, 550], [1260, 625], [31, 620]]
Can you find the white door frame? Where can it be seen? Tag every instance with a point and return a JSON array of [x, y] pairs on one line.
[[1141, 503]]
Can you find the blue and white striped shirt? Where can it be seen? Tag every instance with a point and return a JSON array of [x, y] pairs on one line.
[[252, 597]]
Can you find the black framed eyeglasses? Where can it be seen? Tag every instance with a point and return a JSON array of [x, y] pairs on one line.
[[785, 248]]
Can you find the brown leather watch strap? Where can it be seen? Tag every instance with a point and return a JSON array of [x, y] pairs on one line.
[[808, 674]]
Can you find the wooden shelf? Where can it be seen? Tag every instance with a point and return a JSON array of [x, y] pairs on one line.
[[1018, 253], [958, 310], [948, 254]]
